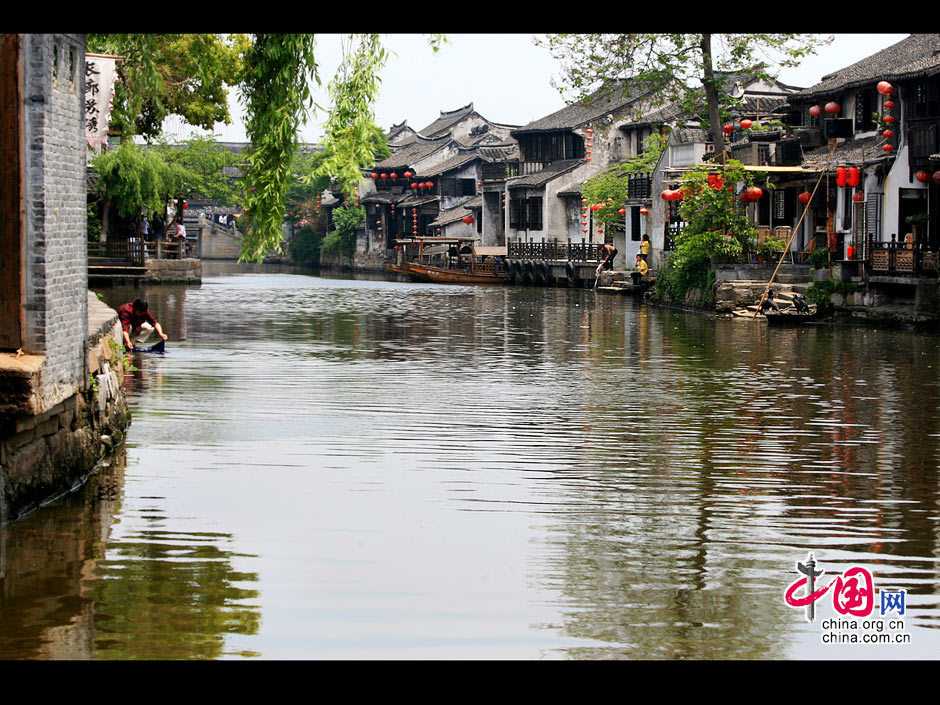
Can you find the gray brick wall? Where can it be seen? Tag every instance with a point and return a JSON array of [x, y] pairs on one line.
[[56, 241]]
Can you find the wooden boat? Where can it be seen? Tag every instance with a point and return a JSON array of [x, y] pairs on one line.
[[441, 275], [790, 316], [468, 269]]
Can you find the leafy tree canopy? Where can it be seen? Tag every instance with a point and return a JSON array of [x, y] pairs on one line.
[[674, 66], [172, 74], [203, 163], [136, 179], [609, 188]]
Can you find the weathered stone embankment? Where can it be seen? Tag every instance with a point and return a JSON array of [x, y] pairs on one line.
[[45, 455]]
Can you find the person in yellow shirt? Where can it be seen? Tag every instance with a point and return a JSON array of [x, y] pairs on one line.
[[641, 265], [645, 249]]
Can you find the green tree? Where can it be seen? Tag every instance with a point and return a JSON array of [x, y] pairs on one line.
[[342, 241], [188, 75], [675, 66], [203, 162], [134, 179], [716, 224], [609, 188]]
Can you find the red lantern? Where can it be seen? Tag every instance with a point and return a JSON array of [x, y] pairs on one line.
[[858, 197], [815, 111], [804, 197], [833, 108], [727, 128], [678, 194], [384, 176], [596, 207], [374, 174], [922, 176], [746, 124], [888, 148], [888, 134], [889, 105], [393, 175], [414, 186], [889, 119], [185, 205], [666, 195], [850, 252], [854, 176], [646, 211], [428, 184], [407, 174], [840, 176], [622, 211], [752, 194], [885, 88], [936, 177], [467, 219]]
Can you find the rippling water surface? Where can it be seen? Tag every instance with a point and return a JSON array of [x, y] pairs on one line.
[[323, 467]]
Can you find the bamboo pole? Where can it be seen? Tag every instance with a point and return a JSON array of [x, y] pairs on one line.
[[763, 296]]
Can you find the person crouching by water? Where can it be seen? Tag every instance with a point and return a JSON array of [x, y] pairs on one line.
[[640, 268], [141, 329], [606, 254]]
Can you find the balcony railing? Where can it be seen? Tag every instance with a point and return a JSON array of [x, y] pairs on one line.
[[499, 171], [891, 259], [162, 249], [555, 251]]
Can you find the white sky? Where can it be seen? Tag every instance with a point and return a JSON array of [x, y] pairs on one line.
[[505, 76]]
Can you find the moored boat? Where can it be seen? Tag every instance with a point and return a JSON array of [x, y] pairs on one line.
[[443, 260]]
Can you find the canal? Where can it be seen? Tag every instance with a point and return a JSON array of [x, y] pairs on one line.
[[337, 468]]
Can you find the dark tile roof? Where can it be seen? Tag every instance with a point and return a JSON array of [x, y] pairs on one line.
[[667, 113], [459, 160], [452, 215], [396, 129], [412, 152], [913, 56], [759, 105], [594, 106], [507, 151], [416, 200], [382, 197], [550, 172], [851, 151], [446, 121]]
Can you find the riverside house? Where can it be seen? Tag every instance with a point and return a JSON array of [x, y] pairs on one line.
[[890, 221], [557, 153], [432, 182]]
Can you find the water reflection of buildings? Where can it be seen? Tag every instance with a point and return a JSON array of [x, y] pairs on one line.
[[737, 447], [69, 590]]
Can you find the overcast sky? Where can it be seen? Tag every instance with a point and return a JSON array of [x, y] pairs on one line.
[[506, 76]]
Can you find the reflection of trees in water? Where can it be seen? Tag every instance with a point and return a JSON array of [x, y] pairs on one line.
[[683, 519], [46, 560], [171, 595], [68, 590]]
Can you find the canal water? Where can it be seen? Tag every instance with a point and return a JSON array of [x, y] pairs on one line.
[[338, 468]]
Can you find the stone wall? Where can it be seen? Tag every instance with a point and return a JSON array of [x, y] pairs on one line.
[[372, 261], [56, 252], [175, 271], [46, 455]]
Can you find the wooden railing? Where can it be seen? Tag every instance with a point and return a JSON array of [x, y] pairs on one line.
[[163, 249], [556, 251], [890, 258], [130, 250], [499, 171]]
